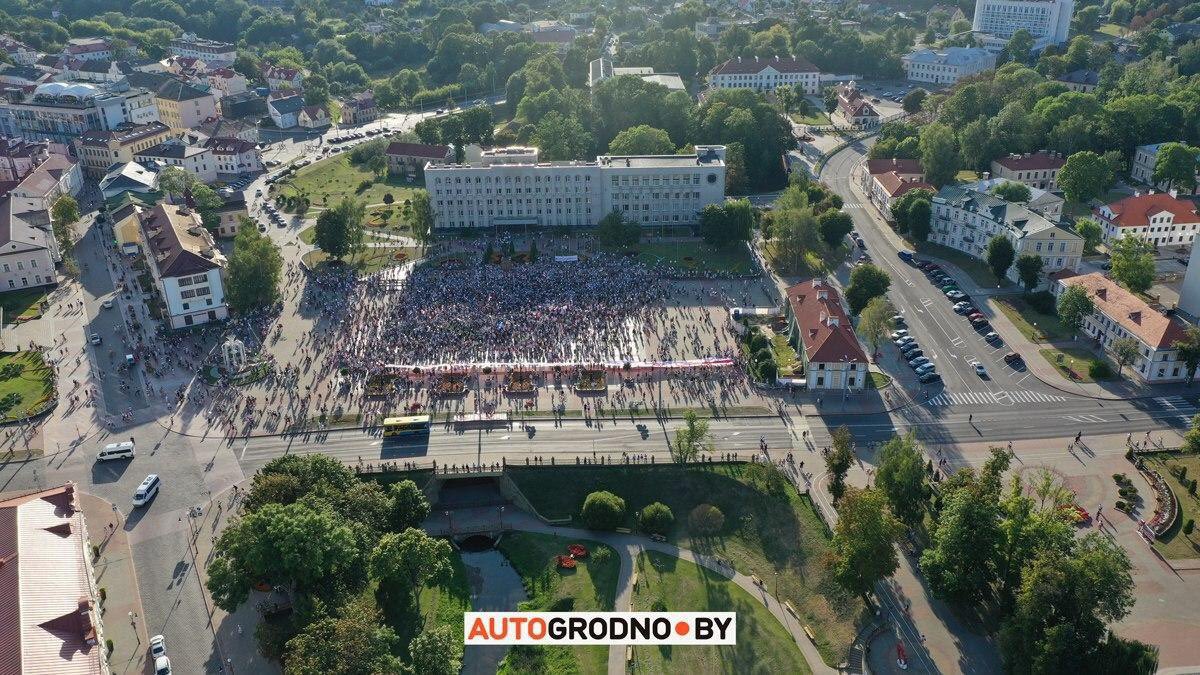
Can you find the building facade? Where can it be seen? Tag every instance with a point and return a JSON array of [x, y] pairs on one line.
[[410, 158], [1159, 217], [1141, 169], [196, 160], [211, 52], [947, 66], [99, 150], [1035, 169], [1048, 21], [56, 176], [359, 109], [18, 157], [510, 187], [1044, 203], [234, 156], [766, 74], [820, 329], [966, 220], [1083, 80], [185, 264], [181, 105], [62, 112], [854, 109]]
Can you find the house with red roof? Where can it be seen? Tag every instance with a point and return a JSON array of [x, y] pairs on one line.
[[1120, 314], [830, 353], [853, 107], [1158, 217], [765, 74], [887, 180]]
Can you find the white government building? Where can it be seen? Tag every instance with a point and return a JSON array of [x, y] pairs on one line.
[[947, 66], [1049, 21], [510, 187]]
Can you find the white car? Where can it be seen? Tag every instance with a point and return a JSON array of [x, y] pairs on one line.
[[162, 666], [94, 338], [897, 334], [158, 646], [107, 304], [980, 370]]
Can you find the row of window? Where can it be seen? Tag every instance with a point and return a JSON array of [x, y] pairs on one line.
[[194, 292], [25, 281], [188, 281], [21, 265]]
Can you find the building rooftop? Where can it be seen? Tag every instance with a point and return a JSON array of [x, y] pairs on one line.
[[1125, 308], [287, 104], [123, 135], [179, 244], [951, 56], [418, 150], [228, 146], [42, 180], [129, 176], [896, 185], [173, 149], [166, 86], [825, 328], [1083, 76], [748, 66], [1032, 161], [902, 166], [1137, 210]]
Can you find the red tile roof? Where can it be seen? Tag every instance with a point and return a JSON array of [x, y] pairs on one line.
[[825, 328], [900, 166], [749, 66], [1128, 310], [1032, 161], [895, 185], [1136, 211]]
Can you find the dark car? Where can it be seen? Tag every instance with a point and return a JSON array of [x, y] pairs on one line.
[[979, 322], [912, 354], [862, 244], [929, 377], [1012, 358]]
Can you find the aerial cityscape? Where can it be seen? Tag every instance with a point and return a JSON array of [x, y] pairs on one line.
[[349, 337]]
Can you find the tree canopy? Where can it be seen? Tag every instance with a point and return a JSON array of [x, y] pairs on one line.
[[254, 271]]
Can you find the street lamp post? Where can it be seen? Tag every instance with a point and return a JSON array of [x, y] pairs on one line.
[[450, 521]]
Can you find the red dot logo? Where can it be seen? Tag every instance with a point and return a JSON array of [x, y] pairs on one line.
[[682, 628]]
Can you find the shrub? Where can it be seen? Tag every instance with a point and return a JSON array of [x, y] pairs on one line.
[[1099, 369], [600, 555], [1122, 506], [1129, 454], [103, 594], [388, 198], [1182, 473], [363, 186], [706, 519], [1043, 302], [763, 355], [603, 511], [766, 479], [758, 342], [108, 644], [658, 605], [1188, 526], [1192, 488], [95, 551], [657, 518], [767, 372]]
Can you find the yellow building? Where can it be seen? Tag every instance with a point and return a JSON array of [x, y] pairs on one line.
[[98, 150]]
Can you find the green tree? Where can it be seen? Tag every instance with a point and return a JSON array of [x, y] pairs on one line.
[[906, 218], [421, 221], [1065, 601], [838, 461], [354, 641], [656, 518], [920, 215], [207, 203], [435, 652], [864, 538], [1175, 164], [64, 213], [724, 224], [1029, 270], [866, 282], [901, 478], [174, 181], [914, 99], [875, 321], [339, 230], [1133, 263], [1073, 306], [1091, 232], [1019, 47], [410, 560], [835, 225], [1012, 191], [316, 90], [1126, 351], [254, 271], [642, 140], [960, 562], [1085, 176], [1000, 255], [410, 508], [692, 439], [939, 153], [1189, 351], [559, 137], [602, 510], [615, 231]]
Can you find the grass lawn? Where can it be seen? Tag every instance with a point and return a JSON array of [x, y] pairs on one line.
[[877, 380], [26, 384], [1049, 326], [372, 259], [335, 177], [762, 532], [817, 119], [696, 256], [1075, 363], [1174, 543], [666, 583], [439, 606], [590, 587], [1112, 30], [978, 270], [23, 305], [785, 355]]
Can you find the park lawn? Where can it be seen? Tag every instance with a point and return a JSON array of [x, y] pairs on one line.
[[1049, 326], [1174, 543], [817, 119], [22, 305], [590, 587], [762, 532], [26, 384], [1112, 30], [1075, 363], [785, 354], [696, 256], [978, 270], [877, 380], [371, 259], [336, 177], [440, 605], [674, 585]]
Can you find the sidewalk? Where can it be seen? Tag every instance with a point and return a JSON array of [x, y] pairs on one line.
[[117, 578]]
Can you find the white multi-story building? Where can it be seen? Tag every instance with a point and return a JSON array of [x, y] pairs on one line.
[[766, 74], [234, 156], [61, 112], [1120, 314], [212, 52], [967, 220], [1040, 201], [196, 160], [510, 187], [1034, 169], [18, 52], [1160, 218], [185, 264], [1048, 21], [27, 252], [947, 66], [56, 176], [1142, 167]]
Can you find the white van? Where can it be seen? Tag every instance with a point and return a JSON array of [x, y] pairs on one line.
[[122, 450], [146, 491]]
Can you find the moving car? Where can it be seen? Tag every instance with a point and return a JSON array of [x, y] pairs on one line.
[[107, 304], [980, 370]]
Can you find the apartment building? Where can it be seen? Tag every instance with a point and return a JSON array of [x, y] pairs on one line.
[[1035, 169], [232, 212], [211, 52], [89, 49], [886, 180], [359, 109], [99, 150], [410, 158], [966, 220], [820, 329], [18, 52], [947, 66], [234, 156], [18, 157], [55, 176], [1120, 314], [764, 74], [282, 78], [185, 265], [509, 187], [1158, 217], [1142, 167], [1042, 202], [27, 253], [1048, 21], [61, 111], [181, 105], [224, 82], [196, 160]]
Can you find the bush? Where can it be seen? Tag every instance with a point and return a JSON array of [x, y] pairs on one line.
[[1122, 506], [706, 519], [108, 644], [603, 511], [657, 518], [364, 186], [1182, 473], [658, 605], [1099, 369], [600, 555], [103, 594], [758, 342], [1129, 454], [763, 355], [1188, 526], [1192, 488], [1043, 302], [388, 199]]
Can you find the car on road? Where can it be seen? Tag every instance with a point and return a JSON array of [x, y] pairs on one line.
[[158, 646], [931, 376], [897, 334], [992, 337], [927, 368], [918, 361], [94, 338], [905, 255], [899, 343], [862, 244], [107, 304], [1012, 357], [980, 369]]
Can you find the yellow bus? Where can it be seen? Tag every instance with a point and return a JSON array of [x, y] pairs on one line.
[[400, 426]]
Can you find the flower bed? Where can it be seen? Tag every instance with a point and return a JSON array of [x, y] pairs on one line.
[[592, 380], [380, 385], [450, 385], [577, 550], [565, 562], [519, 382]]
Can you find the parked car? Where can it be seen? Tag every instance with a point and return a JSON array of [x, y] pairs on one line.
[[927, 368], [162, 666], [862, 244], [979, 322], [992, 337], [1012, 357], [905, 340], [158, 646], [956, 294], [918, 361], [975, 315], [897, 334], [905, 255], [911, 351], [898, 320], [962, 307], [931, 376]]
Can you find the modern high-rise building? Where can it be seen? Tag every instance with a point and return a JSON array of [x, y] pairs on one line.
[[1048, 21]]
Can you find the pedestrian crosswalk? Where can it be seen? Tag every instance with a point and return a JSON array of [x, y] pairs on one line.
[[1178, 404], [1005, 398], [852, 205]]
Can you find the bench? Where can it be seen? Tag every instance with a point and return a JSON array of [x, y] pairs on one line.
[[791, 610], [809, 633]]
